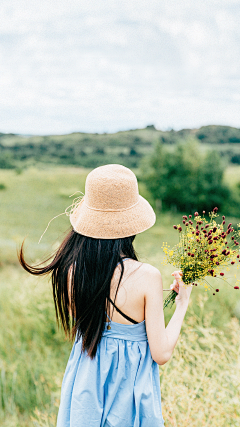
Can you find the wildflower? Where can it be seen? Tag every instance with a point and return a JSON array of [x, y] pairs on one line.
[[236, 287], [217, 290], [215, 209], [179, 229], [223, 217], [175, 227], [190, 216], [186, 224], [203, 212], [233, 262], [184, 221], [196, 214], [221, 274], [224, 222]]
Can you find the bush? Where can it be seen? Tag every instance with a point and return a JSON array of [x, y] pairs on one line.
[[185, 179]]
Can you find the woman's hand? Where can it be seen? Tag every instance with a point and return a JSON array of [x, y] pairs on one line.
[[184, 291]]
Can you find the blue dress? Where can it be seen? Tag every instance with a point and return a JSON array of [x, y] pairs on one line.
[[120, 387]]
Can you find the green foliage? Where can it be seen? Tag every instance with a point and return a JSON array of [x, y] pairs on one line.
[[127, 148], [185, 179], [218, 134]]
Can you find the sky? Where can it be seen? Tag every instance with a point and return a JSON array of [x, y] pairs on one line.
[[108, 65]]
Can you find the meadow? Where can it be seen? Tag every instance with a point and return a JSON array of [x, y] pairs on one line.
[[200, 385]]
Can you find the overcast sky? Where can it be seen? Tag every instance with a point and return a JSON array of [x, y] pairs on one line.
[[107, 65]]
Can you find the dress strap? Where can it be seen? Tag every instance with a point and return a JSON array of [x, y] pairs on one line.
[[123, 314]]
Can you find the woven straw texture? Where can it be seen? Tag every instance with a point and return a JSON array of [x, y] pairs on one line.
[[112, 207]]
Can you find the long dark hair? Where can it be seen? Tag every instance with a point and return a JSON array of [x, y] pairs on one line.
[[81, 271]]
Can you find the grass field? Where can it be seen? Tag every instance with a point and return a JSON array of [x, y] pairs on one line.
[[200, 385]]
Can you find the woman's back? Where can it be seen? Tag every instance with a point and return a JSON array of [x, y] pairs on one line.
[[130, 298]]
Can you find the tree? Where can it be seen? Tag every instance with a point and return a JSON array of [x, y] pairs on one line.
[[185, 179]]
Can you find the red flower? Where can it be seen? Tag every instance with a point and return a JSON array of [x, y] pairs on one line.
[[223, 217], [224, 222], [190, 216], [236, 287], [175, 227], [217, 290], [221, 274], [233, 262], [196, 214]]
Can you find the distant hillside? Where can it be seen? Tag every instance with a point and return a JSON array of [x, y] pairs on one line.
[[127, 148]]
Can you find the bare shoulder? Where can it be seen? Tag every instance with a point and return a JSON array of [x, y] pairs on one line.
[[147, 275], [149, 271]]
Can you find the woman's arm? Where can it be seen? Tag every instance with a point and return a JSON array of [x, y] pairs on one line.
[[163, 340]]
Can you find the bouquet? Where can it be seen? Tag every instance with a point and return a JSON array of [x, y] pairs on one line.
[[204, 248]]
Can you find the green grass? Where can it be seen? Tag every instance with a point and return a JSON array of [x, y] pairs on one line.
[[199, 385]]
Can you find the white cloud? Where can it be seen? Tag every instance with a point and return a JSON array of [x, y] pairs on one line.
[[107, 65]]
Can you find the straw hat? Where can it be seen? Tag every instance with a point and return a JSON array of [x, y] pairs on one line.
[[112, 207]]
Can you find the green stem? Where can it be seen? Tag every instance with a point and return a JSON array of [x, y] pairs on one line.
[[170, 299]]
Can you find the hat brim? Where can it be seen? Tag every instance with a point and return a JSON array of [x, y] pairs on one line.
[[113, 224]]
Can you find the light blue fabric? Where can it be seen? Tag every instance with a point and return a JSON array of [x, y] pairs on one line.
[[120, 387]]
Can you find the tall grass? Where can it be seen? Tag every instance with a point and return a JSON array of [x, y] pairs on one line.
[[200, 385]]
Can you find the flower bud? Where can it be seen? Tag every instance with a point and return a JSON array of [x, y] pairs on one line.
[[175, 227], [196, 214], [224, 222], [217, 290], [190, 216], [221, 274], [236, 287]]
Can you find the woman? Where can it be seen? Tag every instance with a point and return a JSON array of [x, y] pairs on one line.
[[113, 305]]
